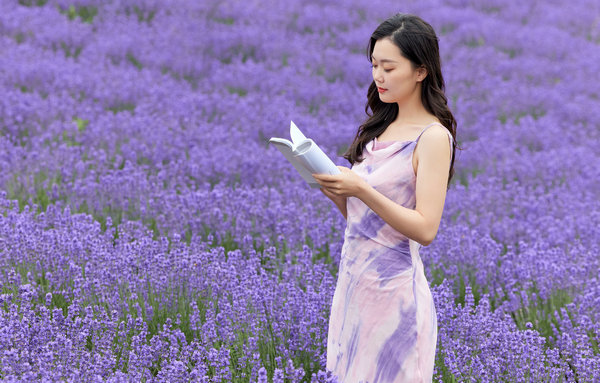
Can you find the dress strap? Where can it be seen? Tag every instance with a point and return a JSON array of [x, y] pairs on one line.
[[428, 126]]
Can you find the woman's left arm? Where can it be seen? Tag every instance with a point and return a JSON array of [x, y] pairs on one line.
[[422, 223]]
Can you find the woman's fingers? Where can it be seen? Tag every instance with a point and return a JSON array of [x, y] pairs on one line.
[[326, 192], [325, 177], [332, 194]]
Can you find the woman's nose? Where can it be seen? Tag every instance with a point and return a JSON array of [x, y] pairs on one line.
[[377, 76]]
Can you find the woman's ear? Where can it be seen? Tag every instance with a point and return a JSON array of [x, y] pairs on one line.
[[421, 73]]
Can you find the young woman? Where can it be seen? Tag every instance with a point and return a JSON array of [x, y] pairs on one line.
[[383, 325]]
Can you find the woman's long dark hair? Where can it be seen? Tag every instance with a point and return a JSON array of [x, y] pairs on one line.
[[419, 44]]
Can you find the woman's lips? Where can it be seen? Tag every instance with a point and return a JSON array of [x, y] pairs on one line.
[[381, 90]]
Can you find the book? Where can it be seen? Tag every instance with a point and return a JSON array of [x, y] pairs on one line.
[[306, 156]]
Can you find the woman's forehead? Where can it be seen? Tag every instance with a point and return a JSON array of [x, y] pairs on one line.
[[385, 50]]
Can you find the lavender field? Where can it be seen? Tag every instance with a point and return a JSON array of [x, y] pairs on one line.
[[148, 233]]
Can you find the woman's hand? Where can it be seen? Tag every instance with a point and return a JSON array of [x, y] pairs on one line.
[[339, 186], [338, 200]]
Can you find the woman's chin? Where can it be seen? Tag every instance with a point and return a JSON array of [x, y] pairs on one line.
[[385, 98]]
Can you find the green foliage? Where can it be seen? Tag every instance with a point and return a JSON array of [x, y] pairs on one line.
[[540, 312], [475, 42], [463, 175], [143, 15], [121, 107], [85, 13], [70, 51], [33, 3], [19, 37], [131, 58], [24, 88], [534, 112], [69, 139], [81, 123], [238, 90], [444, 371], [226, 20], [42, 187]]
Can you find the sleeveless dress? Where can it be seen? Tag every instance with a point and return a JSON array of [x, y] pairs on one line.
[[383, 325]]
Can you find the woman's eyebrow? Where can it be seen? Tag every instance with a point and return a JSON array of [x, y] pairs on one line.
[[384, 60]]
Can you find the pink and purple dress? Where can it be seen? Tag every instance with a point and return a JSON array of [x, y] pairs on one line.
[[383, 325]]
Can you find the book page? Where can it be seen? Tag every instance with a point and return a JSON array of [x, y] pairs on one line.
[[311, 155], [305, 155], [293, 159], [296, 134]]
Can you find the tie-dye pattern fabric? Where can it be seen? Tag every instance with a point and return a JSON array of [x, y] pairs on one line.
[[383, 325]]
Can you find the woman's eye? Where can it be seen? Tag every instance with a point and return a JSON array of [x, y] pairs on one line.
[[385, 70]]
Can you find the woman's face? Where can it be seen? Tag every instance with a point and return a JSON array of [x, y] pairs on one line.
[[394, 72]]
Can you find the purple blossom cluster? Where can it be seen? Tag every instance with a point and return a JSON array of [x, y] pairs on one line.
[[148, 232]]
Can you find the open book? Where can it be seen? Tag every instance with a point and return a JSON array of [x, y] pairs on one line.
[[305, 155]]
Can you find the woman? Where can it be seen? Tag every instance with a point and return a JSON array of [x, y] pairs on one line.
[[383, 325]]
